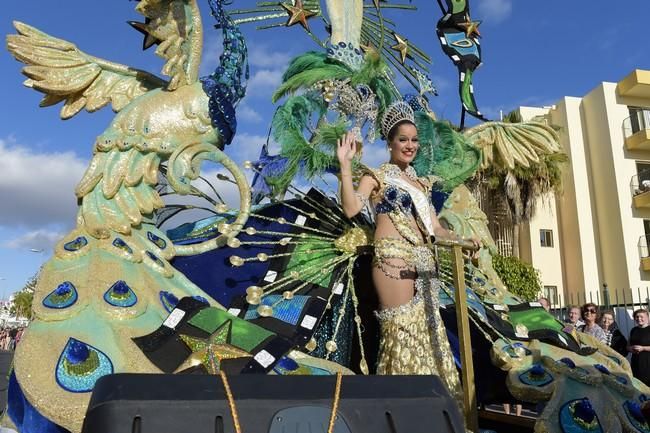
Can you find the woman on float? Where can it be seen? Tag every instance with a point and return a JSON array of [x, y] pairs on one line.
[[413, 337]]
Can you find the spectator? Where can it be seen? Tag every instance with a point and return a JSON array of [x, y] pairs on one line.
[[545, 303], [613, 336], [640, 346], [590, 316], [573, 316]]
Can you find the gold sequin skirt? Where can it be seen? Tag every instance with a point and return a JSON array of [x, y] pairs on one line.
[[414, 341]]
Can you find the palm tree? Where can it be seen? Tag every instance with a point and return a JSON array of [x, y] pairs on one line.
[[522, 187]]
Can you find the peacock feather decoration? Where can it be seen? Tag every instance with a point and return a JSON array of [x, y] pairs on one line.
[[110, 279]]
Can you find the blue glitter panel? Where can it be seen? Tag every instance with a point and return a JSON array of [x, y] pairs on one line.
[[168, 300], [120, 295], [536, 376], [80, 365], [571, 420], [121, 245], [76, 244], [287, 311], [157, 240], [63, 296]]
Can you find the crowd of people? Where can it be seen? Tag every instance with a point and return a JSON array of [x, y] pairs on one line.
[[602, 326], [10, 337]]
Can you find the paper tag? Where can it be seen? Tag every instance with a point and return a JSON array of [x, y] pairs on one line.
[[301, 220], [308, 322], [338, 289], [234, 311], [535, 304], [264, 358], [174, 318], [562, 339], [271, 276], [499, 307]]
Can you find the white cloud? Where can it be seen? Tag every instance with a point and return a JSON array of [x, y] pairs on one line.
[[245, 112], [41, 239], [261, 56], [37, 189], [263, 82], [494, 11]]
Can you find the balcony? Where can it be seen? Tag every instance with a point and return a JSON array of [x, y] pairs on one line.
[[636, 129], [640, 188], [644, 252], [635, 85]]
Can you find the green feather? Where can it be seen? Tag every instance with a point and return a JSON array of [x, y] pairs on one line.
[[444, 153]]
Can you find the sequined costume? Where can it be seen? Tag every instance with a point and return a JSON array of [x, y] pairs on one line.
[[413, 338]]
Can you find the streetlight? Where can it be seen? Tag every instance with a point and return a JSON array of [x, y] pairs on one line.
[[35, 250]]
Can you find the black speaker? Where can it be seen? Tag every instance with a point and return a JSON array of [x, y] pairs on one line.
[[140, 403]]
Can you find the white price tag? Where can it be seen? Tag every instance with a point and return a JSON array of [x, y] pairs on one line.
[[338, 289], [270, 276], [308, 322], [234, 311], [174, 318], [264, 358]]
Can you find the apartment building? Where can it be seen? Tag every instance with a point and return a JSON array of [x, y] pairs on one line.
[[597, 231]]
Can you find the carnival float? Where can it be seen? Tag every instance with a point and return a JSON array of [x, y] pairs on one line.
[[279, 285]]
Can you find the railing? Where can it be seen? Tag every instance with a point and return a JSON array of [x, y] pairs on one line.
[[621, 301], [644, 251], [638, 121], [640, 183], [462, 321]]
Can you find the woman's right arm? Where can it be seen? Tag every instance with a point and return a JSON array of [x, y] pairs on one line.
[[352, 201]]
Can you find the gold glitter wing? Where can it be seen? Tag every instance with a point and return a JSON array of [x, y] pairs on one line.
[[176, 26], [65, 73], [510, 144]]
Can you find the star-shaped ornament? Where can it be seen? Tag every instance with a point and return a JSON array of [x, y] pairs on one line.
[[297, 14], [401, 46], [149, 39], [470, 27], [210, 351]]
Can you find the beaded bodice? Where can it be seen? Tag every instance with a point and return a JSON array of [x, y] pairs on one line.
[[403, 201]]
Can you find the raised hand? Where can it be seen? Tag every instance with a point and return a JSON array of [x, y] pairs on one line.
[[346, 148]]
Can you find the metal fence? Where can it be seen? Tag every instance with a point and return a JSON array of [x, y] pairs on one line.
[[621, 301]]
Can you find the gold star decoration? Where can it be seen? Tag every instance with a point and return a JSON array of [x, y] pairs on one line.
[[470, 27], [297, 14], [212, 350], [401, 46]]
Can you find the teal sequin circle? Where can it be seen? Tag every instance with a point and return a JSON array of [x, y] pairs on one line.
[[63, 296], [80, 365], [120, 295]]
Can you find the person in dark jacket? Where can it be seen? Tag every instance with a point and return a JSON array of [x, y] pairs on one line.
[[614, 337]]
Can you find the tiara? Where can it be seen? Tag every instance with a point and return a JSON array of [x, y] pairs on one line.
[[395, 113]]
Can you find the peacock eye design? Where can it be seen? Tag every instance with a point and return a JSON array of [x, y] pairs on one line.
[[463, 43], [635, 415], [64, 296], [80, 365], [157, 240], [76, 244], [536, 376], [120, 295], [168, 300], [579, 415], [123, 246]]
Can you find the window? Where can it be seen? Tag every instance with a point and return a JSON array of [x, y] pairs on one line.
[[643, 171], [639, 119], [546, 237], [550, 293]]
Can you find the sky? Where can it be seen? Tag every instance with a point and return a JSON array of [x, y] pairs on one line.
[[534, 53]]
